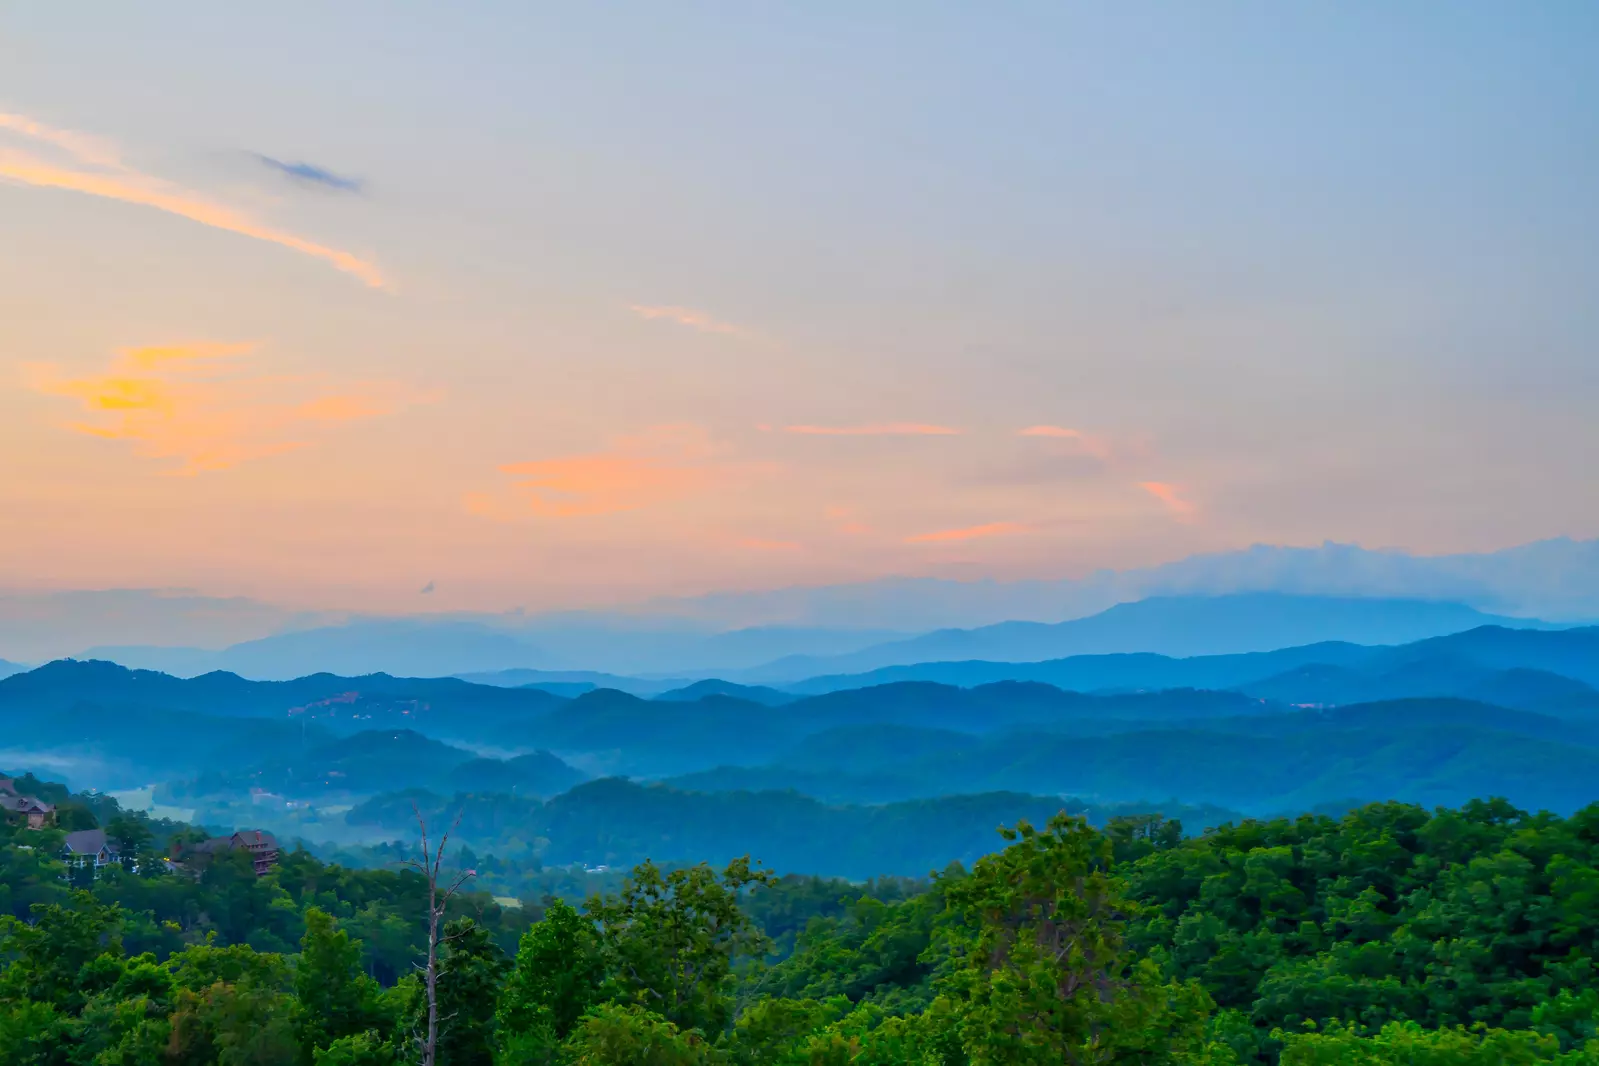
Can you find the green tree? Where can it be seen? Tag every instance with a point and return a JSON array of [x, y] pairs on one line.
[[471, 968], [557, 976], [1044, 974], [50, 954], [35, 1034], [1409, 1044], [360, 1049], [333, 997], [130, 834], [671, 940], [628, 1035], [241, 1024]]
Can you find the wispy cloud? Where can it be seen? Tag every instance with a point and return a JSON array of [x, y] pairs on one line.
[[201, 405], [1171, 496], [1086, 443], [686, 316], [883, 429], [80, 163], [663, 464], [311, 174], [992, 529], [845, 520]]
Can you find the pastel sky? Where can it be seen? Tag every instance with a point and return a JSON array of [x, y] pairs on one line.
[[551, 305]]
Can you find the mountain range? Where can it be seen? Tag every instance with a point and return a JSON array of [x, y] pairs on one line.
[[699, 636], [1165, 625], [1556, 578], [1511, 666], [1174, 625], [1490, 710]]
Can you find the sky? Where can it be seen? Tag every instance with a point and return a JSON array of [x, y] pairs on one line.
[[400, 307]]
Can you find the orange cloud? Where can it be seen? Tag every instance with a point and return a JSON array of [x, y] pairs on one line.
[[685, 316], [1098, 447], [992, 529], [195, 404], [92, 167], [1171, 496], [885, 429], [662, 464]]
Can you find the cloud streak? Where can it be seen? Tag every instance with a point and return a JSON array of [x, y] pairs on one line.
[[884, 429], [87, 165], [686, 316], [991, 529], [1170, 495], [200, 405], [663, 464], [1086, 443], [311, 174]]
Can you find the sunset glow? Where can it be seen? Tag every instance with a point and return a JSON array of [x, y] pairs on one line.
[[686, 316]]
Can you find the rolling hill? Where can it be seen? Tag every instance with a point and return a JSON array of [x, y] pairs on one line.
[[1245, 747], [382, 760], [352, 702], [1428, 751], [617, 823], [761, 694]]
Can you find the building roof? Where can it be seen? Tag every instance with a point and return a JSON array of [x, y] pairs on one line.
[[24, 804], [254, 838], [88, 842], [244, 838]]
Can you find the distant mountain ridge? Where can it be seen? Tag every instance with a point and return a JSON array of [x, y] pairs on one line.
[[1555, 578], [480, 648], [158, 629], [1174, 626], [1518, 668]]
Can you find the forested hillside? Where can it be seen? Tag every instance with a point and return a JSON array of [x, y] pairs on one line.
[[1393, 934]]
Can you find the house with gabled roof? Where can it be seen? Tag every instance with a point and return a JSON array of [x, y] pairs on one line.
[[261, 846], [90, 848], [35, 812]]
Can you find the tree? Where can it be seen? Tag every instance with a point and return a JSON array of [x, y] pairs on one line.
[[34, 1034], [50, 954], [617, 1035], [239, 1024], [1408, 1044], [437, 903], [1044, 974], [556, 978], [361, 1049], [671, 940], [130, 834], [471, 968], [334, 998], [1134, 836]]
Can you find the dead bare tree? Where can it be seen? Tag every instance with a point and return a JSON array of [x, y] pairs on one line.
[[438, 901]]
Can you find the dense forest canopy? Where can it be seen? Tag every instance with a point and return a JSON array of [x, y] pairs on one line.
[[1392, 934]]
